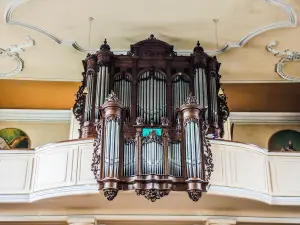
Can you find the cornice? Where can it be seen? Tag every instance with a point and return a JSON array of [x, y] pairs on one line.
[[150, 217], [35, 115], [265, 118], [289, 11]]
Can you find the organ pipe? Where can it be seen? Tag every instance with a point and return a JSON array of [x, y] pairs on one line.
[[214, 108], [180, 91], [101, 89], [130, 157], [174, 161], [200, 87], [152, 155], [152, 96], [122, 88]]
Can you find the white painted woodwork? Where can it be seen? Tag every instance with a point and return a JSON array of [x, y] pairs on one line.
[[62, 169]]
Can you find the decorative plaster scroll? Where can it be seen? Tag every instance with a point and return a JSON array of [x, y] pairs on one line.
[[286, 56], [12, 52], [290, 12]]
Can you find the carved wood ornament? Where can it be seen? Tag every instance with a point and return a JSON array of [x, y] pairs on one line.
[[149, 112]]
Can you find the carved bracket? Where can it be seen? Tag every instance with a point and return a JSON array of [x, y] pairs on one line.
[[12, 52], [152, 194], [286, 56]]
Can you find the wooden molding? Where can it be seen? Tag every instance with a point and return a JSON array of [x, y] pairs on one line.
[[35, 115], [264, 118]]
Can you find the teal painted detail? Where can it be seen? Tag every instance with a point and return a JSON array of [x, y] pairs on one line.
[[146, 131]]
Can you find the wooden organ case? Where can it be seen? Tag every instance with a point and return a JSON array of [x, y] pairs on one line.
[[149, 112]]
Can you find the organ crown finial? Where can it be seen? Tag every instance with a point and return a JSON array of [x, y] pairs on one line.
[[151, 37], [112, 97], [198, 47], [105, 46]]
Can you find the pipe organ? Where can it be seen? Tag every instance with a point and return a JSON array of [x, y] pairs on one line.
[[150, 112]]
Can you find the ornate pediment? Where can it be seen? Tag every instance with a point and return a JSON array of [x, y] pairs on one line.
[[152, 47]]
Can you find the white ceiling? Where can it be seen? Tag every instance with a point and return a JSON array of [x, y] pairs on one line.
[[57, 25]]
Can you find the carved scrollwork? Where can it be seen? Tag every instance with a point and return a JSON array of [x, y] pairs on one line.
[[224, 110], [114, 118], [152, 194], [112, 97], [139, 121], [208, 157], [97, 152], [110, 193], [138, 134], [164, 121], [286, 56], [194, 194], [190, 120], [79, 102], [191, 100]]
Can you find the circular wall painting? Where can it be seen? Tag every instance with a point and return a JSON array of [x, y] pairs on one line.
[[11, 138]]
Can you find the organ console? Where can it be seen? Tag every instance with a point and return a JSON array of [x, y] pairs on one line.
[[150, 112]]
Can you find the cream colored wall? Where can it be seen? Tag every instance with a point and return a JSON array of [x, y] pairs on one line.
[[259, 134], [41, 133]]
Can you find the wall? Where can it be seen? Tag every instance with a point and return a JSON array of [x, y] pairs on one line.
[[259, 134], [41, 133]]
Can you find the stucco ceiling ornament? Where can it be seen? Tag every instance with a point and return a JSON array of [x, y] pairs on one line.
[[290, 22], [13, 52], [286, 56]]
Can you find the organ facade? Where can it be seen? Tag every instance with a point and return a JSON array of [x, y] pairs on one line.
[[150, 113]]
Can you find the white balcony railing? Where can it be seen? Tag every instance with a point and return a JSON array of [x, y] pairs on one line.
[[62, 169]]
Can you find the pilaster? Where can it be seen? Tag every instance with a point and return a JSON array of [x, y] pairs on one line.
[[82, 221], [220, 222]]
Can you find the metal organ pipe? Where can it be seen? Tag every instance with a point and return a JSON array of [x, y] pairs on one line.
[[152, 157], [122, 87], [129, 157], [174, 153], [213, 99], [89, 97], [111, 155], [200, 86], [151, 96], [193, 156], [180, 91]]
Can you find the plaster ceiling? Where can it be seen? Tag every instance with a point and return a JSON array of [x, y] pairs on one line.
[[61, 32]]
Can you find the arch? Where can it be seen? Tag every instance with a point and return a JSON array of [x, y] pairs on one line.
[[182, 76], [158, 71], [123, 76], [152, 92], [281, 138], [180, 91], [122, 85], [11, 138]]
